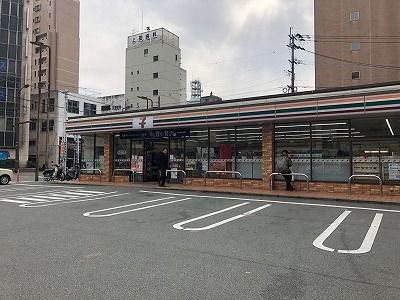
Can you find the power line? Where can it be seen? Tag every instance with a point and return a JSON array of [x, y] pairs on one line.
[[388, 67]]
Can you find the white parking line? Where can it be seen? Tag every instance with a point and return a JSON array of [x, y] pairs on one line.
[[122, 206], [59, 202], [275, 201], [92, 215], [179, 225], [367, 243], [369, 239], [319, 241]]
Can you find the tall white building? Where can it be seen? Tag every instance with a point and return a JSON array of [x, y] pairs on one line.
[[153, 70]]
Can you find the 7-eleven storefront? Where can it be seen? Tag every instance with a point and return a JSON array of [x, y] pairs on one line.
[[329, 135]]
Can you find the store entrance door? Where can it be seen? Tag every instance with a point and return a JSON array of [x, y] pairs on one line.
[[152, 149]]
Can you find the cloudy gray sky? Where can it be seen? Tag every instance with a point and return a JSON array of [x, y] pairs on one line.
[[237, 48]]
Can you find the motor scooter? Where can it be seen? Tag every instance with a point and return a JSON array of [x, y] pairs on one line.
[[56, 173], [72, 173]]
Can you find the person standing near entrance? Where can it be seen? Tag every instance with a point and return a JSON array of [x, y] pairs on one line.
[[283, 165], [162, 165]]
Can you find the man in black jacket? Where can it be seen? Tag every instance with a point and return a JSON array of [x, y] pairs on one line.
[[162, 164]]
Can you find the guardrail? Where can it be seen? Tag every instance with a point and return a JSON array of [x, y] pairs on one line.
[[91, 170], [180, 171], [366, 176], [290, 174], [223, 172], [124, 170]]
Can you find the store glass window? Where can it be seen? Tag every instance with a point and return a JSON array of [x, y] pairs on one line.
[[196, 160], [222, 150], [296, 139], [88, 152], [249, 151], [176, 158], [99, 152], [121, 153], [366, 158], [390, 160], [137, 158], [376, 127], [330, 151]]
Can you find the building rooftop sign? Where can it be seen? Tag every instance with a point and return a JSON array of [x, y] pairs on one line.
[[153, 36]]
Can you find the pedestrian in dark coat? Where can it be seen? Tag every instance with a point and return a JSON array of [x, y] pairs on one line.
[[283, 166], [162, 165]]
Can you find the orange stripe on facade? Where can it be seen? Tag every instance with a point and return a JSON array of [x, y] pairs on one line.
[[86, 123], [335, 101], [382, 97], [298, 104]]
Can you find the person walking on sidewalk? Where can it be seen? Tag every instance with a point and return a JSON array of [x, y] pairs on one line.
[[162, 165], [284, 163]]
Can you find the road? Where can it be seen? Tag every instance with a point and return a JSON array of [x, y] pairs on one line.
[[95, 242]]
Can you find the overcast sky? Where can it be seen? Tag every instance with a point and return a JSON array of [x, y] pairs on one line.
[[237, 48]]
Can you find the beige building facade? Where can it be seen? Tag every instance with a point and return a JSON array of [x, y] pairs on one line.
[[55, 23], [361, 36]]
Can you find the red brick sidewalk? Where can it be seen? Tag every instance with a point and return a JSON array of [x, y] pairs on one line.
[[232, 190]]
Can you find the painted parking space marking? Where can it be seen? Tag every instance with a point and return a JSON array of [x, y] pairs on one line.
[[275, 201], [179, 225], [367, 243], [93, 214]]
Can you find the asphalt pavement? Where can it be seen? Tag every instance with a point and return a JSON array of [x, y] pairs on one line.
[[104, 242]]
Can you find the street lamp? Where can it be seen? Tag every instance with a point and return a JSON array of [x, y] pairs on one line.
[[16, 133], [147, 99], [41, 46]]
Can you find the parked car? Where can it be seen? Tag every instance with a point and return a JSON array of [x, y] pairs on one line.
[[6, 175]]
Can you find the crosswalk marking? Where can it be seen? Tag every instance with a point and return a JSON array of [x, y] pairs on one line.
[[45, 197], [14, 201], [76, 193], [31, 199]]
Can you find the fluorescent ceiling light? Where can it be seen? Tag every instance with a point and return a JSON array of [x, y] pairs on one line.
[[329, 124], [292, 126], [376, 151], [390, 127]]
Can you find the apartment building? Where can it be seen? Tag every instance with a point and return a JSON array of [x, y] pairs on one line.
[[55, 65], [153, 73], [356, 42]]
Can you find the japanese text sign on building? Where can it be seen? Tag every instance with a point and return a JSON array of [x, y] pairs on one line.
[[142, 122], [156, 134]]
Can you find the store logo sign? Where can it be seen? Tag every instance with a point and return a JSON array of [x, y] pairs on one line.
[[142, 122]]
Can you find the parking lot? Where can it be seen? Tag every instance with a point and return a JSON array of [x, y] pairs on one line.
[[80, 242]]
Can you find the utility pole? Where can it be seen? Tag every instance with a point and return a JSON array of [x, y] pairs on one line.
[[17, 124], [291, 89], [48, 98], [38, 109]]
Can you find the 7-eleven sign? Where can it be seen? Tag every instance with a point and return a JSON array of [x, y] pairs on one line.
[[142, 122]]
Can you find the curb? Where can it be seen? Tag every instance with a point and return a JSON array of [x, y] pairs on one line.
[[311, 197]]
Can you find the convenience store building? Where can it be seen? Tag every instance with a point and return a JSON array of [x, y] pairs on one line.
[[330, 135]]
